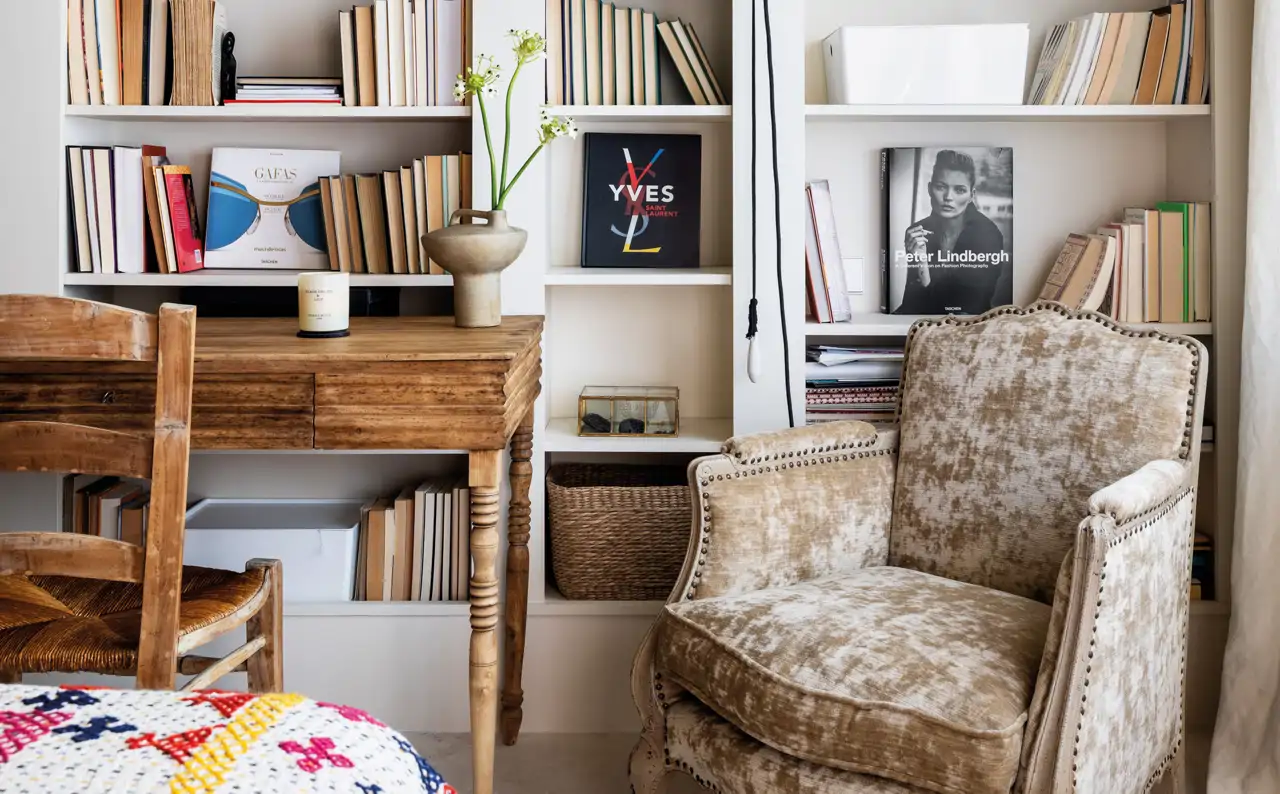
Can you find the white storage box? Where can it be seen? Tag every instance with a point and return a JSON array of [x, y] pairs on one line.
[[927, 65], [315, 539]]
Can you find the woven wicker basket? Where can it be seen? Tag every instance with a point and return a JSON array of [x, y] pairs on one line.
[[618, 533]]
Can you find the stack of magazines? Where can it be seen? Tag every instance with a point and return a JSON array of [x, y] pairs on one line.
[[312, 90], [844, 383]]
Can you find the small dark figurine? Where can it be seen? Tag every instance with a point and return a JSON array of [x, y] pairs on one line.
[[595, 423], [631, 426], [228, 77]]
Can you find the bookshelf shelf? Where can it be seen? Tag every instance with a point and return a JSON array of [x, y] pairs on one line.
[[671, 113], [240, 278], [644, 277], [297, 112], [954, 113], [890, 325], [696, 435]]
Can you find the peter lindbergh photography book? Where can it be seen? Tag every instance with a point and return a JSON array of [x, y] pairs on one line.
[[265, 209], [642, 200], [948, 221]]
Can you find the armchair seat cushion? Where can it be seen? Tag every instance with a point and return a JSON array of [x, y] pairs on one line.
[[883, 671]]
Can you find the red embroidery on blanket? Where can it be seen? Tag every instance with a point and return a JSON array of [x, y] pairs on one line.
[[227, 703], [314, 757], [178, 746], [19, 729]]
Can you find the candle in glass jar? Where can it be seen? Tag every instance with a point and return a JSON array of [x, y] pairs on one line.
[[324, 304]]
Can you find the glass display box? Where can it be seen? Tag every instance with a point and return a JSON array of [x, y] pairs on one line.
[[643, 411]]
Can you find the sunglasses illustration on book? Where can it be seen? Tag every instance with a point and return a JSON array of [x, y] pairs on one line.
[[234, 213]]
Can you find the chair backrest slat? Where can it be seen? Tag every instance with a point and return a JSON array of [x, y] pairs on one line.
[[79, 449], [51, 328], [61, 554]]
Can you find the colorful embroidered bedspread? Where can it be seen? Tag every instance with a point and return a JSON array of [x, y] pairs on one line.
[[76, 740]]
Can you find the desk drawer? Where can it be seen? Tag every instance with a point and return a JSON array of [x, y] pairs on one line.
[[228, 411]]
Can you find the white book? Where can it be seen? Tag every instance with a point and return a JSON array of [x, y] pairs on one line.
[[347, 34], [106, 217], [80, 209], [450, 43], [395, 50], [1118, 297], [159, 49], [91, 210], [421, 80], [824, 219], [1135, 271], [245, 231], [1086, 59], [440, 570], [166, 220], [77, 77], [410, 67], [108, 50], [462, 542], [446, 545], [130, 210], [423, 515], [219, 32], [382, 54], [89, 39], [1184, 63]]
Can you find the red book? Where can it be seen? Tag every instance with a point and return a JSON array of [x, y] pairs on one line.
[[187, 241]]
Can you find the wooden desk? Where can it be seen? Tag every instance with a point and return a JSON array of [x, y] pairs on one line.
[[395, 383]]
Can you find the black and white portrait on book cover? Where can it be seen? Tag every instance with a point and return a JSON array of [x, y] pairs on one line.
[[948, 214]]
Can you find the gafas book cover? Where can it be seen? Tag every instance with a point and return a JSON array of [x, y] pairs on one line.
[[265, 209], [642, 200]]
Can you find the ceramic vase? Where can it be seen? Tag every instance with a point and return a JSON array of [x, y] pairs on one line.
[[475, 254]]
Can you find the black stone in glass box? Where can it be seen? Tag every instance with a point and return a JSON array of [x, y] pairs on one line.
[[630, 411]]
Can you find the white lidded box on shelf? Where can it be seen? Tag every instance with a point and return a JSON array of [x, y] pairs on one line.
[[927, 64], [314, 538]]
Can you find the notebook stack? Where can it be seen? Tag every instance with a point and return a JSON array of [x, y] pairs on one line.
[[286, 90], [414, 546], [403, 53], [1158, 57], [374, 222], [600, 53], [844, 383]]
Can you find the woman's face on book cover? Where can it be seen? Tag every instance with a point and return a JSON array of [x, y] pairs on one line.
[[950, 193]]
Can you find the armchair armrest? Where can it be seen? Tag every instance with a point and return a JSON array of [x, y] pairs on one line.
[[1107, 709], [779, 508]]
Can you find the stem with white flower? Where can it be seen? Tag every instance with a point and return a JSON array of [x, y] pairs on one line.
[[488, 142], [506, 138]]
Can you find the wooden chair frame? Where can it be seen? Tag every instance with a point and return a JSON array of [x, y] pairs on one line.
[[52, 329]]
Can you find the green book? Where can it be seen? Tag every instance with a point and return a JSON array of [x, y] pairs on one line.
[[1187, 211]]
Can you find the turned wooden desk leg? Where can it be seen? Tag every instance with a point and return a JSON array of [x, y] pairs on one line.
[[485, 473], [517, 579]]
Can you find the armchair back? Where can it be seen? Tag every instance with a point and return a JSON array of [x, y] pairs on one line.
[[1012, 420]]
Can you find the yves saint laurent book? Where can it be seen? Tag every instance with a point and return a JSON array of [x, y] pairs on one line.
[[948, 226], [265, 209], [642, 200]]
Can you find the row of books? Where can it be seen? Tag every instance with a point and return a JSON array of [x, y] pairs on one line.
[[600, 53], [144, 52], [843, 383], [106, 507], [1139, 58], [827, 283], [374, 222], [132, 211], [398, 53], [1155, 265], [414, 546]]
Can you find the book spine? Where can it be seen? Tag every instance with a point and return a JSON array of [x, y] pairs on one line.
[[886, 156], [186, 231]]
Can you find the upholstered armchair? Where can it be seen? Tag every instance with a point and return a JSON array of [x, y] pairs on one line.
[[990, 597]]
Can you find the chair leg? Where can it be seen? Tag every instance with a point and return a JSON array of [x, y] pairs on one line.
[[648, 771], [266, 667]]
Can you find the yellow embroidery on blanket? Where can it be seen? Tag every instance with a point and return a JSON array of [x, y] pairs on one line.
[[205, 771]]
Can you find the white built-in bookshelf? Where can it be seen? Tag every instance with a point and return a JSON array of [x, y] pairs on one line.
[[1075, 167]]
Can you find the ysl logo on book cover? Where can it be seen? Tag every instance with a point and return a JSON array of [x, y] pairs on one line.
[[643, 200]]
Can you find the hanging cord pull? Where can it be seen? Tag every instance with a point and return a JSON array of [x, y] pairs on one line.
[[753, 353]]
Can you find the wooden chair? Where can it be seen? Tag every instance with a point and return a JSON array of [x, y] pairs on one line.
[[79, 603]]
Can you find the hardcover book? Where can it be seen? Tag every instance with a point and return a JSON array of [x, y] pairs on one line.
[[265, 209], [948, 229], [642, 200]]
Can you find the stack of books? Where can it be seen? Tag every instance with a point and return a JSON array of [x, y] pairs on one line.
[[403, 53], [106, 507], [1156, 57], [851, 383], [132, 211], [144, 52], [374, 222], [414, 546], [1155, 265], [600, 53], [275, 90], [827, 283]]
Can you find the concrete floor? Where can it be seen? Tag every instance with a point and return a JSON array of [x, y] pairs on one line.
[[558, 763]]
